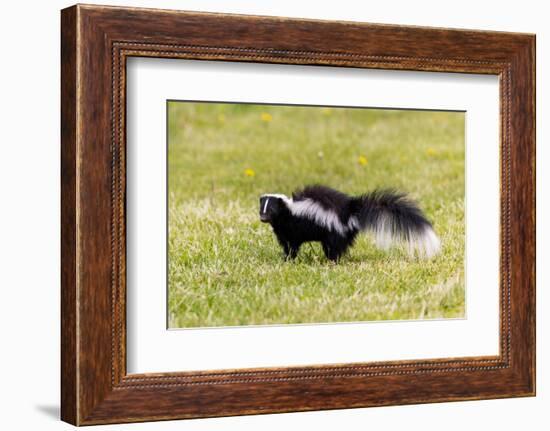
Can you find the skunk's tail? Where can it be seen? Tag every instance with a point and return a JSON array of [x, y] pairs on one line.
[[394, 218]]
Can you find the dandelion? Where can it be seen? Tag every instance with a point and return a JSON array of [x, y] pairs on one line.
[[266, 117], [431, 152], [362, 160], [249, 172]]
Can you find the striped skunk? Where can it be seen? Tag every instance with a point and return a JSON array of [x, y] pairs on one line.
[[319, 213]]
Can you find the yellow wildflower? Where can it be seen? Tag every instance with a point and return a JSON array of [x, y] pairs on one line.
[[431, 152], [363, 161], [326, 111], [266, 117], [249, 172], [221, 118]]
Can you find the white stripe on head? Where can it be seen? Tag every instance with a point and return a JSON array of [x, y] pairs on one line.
[[285, 198], [265, 205], [276, 195]]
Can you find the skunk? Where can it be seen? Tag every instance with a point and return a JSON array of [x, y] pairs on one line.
[[319, 213]]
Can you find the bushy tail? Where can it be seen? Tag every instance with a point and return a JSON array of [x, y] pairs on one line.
[[394, 219]]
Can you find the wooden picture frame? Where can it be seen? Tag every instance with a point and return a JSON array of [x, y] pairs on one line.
[[95, 43]]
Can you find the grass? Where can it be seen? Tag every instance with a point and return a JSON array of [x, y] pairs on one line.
[[226, 268]]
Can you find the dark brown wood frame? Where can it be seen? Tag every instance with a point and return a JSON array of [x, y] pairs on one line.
[[95, 43]]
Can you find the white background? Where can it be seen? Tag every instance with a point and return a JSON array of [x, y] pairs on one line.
[[151, 348], [29, 224]]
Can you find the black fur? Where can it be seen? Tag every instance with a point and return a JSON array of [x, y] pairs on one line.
[[347, 216]]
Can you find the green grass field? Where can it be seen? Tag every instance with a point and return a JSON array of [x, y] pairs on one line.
[[226, 267]]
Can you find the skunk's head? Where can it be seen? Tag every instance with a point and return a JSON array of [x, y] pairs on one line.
[[271, 206]]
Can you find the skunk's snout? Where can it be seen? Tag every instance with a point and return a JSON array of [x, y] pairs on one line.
[[267, 217]]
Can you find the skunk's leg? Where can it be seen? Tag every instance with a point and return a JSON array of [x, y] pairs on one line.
[[326, 249], [294, 248], [284, 243], [334, 249], [290, 250], [286, 249], [331, 252]]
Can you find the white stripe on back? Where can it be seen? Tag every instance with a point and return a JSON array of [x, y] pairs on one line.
[[313, 211]]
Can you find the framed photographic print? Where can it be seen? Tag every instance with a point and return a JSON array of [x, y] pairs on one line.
[[266, 215]]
